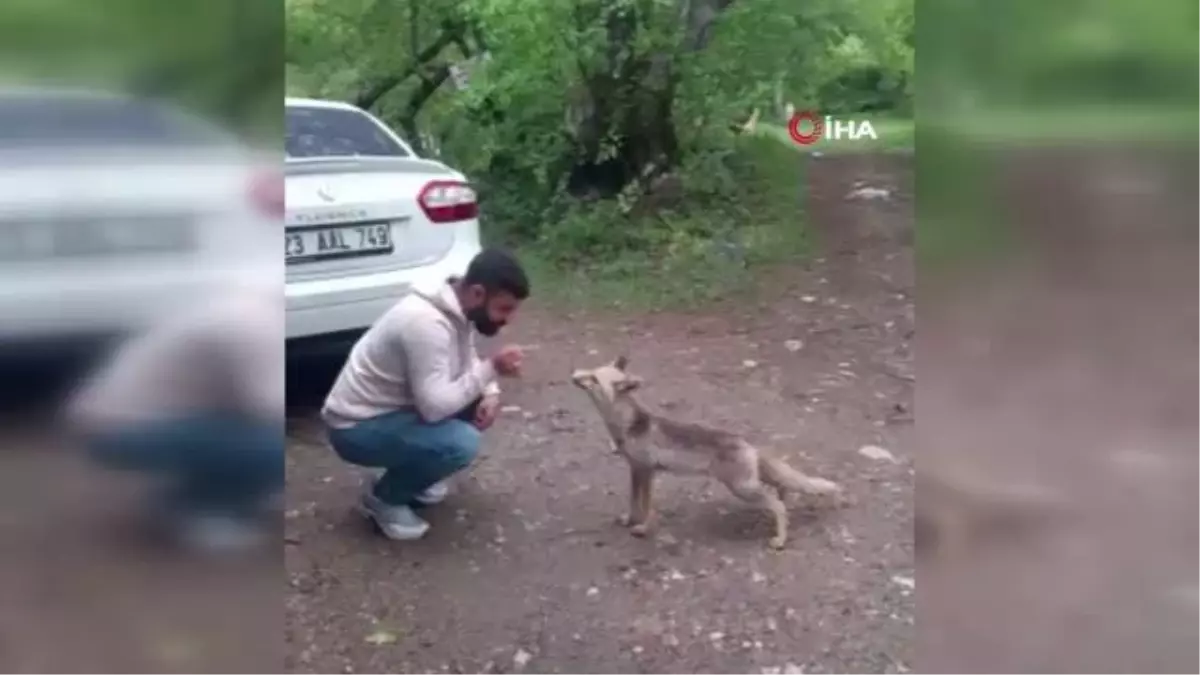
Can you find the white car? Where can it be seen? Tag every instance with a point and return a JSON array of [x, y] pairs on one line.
[[115, 210], [366, 220]]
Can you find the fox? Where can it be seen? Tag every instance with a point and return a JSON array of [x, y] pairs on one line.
[[652, 444]]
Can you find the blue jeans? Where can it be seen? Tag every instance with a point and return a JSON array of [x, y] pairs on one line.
[[415, 453], [216, 463]]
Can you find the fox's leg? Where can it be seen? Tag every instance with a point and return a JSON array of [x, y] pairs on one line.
[[754, 491], [640, 482], [643, 512]]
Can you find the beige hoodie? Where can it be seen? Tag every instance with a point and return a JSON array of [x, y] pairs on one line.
[[419, 355], [222, 354]]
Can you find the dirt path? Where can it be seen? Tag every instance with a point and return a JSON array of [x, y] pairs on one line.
[[1072, 368], [525, 570]]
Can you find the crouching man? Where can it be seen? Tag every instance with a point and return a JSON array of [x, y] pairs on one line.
[[198, 400], [414, 397]]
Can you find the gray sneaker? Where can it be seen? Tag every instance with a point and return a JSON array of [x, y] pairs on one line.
[[395, 522], [218, 534], [434, 494]]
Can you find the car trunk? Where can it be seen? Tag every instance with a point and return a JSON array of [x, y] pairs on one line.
[[338, 224]]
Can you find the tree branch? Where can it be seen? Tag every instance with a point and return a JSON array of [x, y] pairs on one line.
[[700, 16], [377, 89]]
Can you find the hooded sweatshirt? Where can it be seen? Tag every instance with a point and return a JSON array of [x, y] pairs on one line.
[[223, 355], [420, 355]]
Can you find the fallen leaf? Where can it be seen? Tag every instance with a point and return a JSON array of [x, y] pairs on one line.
[[877, 453], [380, 637]]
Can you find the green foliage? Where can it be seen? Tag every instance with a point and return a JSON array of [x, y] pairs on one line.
[[739, 210], [219, 57], [568, 85]]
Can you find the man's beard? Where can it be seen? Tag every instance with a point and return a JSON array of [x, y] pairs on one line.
[[483, 323]]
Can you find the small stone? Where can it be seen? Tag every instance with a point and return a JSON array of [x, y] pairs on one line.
[[750, 363], [758, 577], [877, 453], [511, 409], [521, 658], [637, 649], [676, 575], [906, 582], [716, 636], [808, 299], [793, 345], [593, 592], [380, 637], [793, 669], [772, 624], [869, 193]]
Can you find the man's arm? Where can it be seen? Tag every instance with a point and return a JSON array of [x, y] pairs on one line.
[[428, 345], [493, 388], [253, 350]]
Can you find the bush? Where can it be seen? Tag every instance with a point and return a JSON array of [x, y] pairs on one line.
[[729, 209]]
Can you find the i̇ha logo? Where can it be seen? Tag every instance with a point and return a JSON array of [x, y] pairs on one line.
[[807, 127]]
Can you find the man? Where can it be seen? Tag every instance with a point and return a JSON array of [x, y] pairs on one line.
[[414, 396], [198, 400]]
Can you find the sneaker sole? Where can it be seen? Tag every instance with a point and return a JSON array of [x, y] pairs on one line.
[[425, 501], [387, 529]]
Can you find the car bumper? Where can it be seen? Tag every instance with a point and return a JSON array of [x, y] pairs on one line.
[[342, 305]]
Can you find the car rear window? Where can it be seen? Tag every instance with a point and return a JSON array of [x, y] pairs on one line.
[[336, 132], [35, 120]]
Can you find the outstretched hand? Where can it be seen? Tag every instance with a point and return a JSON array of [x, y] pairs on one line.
[[507, 361]]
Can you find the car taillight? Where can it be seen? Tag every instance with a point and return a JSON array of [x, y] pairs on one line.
[[448, 201], [266, 194]]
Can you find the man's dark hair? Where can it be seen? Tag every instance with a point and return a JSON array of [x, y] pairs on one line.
[[497, 270]]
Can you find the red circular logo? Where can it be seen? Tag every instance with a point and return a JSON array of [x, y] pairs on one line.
[[818, 127]]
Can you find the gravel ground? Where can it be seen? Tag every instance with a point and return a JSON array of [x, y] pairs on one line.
[[525, 569]]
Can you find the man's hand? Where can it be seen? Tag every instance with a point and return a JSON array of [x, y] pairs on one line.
[[486, 413], [507, 361]]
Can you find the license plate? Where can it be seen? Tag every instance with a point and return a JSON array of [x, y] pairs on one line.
[[331, 243], [53, 238]]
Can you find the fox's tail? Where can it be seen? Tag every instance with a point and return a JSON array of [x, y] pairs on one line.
[[775, 471]]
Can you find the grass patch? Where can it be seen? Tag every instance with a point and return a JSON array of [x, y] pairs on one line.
[[740, 211], [892, 134], [1080, 124]]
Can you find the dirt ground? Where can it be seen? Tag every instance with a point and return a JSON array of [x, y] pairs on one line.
[[526, 570], [1071, 368], [1075, 371]]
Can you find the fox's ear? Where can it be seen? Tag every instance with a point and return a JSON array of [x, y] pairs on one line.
[[621, 363], [628, 384]]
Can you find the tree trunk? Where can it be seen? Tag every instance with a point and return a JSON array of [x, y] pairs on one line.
[[632, 100], [416, 101]]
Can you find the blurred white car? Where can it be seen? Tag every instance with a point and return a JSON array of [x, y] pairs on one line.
[[115, 210], [366, 219]]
